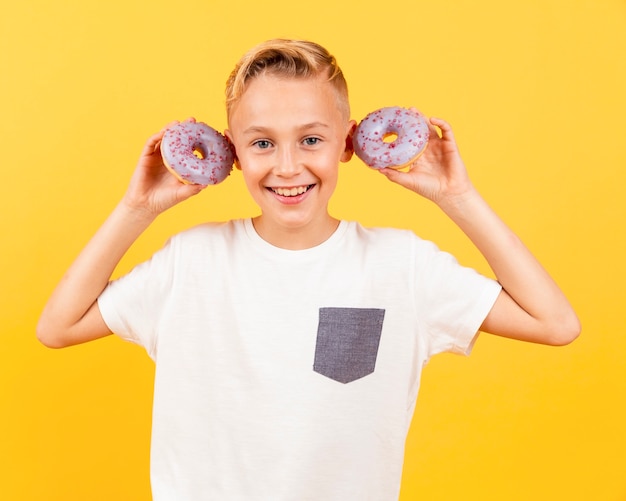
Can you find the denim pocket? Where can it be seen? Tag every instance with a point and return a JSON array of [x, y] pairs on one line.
[[347, 342]]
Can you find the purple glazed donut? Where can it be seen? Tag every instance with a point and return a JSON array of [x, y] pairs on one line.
[[411, 131], [196, 153]]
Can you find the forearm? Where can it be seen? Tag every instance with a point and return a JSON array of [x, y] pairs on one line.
[[69, 317], [531, 306], [539, 311]]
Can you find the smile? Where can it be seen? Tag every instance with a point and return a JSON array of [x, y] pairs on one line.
[[292, 192]]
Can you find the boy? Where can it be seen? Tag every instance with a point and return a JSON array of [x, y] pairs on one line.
[[288, 347]]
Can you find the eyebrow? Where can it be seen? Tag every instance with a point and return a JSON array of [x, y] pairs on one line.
[[255, 129]]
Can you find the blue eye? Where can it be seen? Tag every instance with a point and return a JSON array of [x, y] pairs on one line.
[[311, 141], [263, 144]]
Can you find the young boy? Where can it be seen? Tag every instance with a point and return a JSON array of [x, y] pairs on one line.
[[289, 346]]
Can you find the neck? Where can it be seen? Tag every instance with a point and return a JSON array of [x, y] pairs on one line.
[[296, 238]]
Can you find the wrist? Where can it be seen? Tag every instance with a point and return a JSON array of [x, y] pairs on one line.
[[135, 213], [461, 203]]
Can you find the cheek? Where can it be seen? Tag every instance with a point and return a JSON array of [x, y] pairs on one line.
[[328, 176], [328, 165], [250, 175], [251, 166]]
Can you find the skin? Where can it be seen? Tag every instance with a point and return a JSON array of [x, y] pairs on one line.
[[289, 134], [531, 307]]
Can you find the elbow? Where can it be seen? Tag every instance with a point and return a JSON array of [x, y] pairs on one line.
[[565, 331], [49, 336]]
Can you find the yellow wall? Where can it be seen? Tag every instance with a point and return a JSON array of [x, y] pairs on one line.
[[535, 91]]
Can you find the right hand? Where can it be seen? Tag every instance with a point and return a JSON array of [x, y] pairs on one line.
[[153, 189]]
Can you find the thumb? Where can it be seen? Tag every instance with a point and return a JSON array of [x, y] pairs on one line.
[[404, 179], [186, 191]]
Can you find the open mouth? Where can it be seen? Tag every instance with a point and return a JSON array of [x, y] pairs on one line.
[[291, 192]]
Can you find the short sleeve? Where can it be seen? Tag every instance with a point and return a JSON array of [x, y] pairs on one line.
[[452, 300], [132, 305]]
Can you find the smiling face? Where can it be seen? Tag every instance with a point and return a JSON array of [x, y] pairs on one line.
[[290, 135]]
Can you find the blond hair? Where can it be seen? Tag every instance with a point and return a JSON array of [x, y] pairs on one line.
[[289, 59]]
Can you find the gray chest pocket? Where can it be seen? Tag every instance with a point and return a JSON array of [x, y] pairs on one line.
[[347, 342]]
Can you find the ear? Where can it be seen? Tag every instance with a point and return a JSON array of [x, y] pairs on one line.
[[349, 150], [229, 137]]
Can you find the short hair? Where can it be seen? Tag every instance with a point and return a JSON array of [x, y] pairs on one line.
[[289, 59]]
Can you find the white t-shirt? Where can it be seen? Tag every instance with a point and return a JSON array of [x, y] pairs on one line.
[[290, 375]]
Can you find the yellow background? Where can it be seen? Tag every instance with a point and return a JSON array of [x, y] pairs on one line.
[[535, 91]]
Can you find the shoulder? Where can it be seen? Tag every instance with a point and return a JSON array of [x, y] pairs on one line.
[[389, 239], [197, 243], [400, 249], [207, 233]]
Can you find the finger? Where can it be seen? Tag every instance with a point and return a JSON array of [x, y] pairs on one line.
[[433, 129], [402, 178], [189, 190], [153, 142], [444, 127]]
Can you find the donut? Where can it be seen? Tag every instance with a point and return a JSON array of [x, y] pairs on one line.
[[196, 153], [410, 129]]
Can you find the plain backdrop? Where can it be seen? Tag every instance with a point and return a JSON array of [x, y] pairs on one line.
[[535, 93]]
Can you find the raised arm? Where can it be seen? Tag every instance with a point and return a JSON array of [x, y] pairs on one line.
[[531, 307], [71, 315]]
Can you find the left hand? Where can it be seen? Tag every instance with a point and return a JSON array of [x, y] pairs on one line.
[[439, 174]]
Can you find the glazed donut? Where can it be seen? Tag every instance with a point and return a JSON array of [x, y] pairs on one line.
[[196, 153], [411, 131]]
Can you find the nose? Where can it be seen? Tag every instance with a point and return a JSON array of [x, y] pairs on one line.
[[287, 162]]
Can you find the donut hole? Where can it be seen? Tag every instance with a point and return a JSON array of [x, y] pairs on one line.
[[199, 151], [390, 137]]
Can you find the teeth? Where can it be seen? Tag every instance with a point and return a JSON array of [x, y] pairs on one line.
[[290, 192]]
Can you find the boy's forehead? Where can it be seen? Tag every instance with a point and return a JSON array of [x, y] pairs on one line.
[[267, 96]]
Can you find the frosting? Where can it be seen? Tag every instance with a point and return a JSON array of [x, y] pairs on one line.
[[197, 153], [410, 127]]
